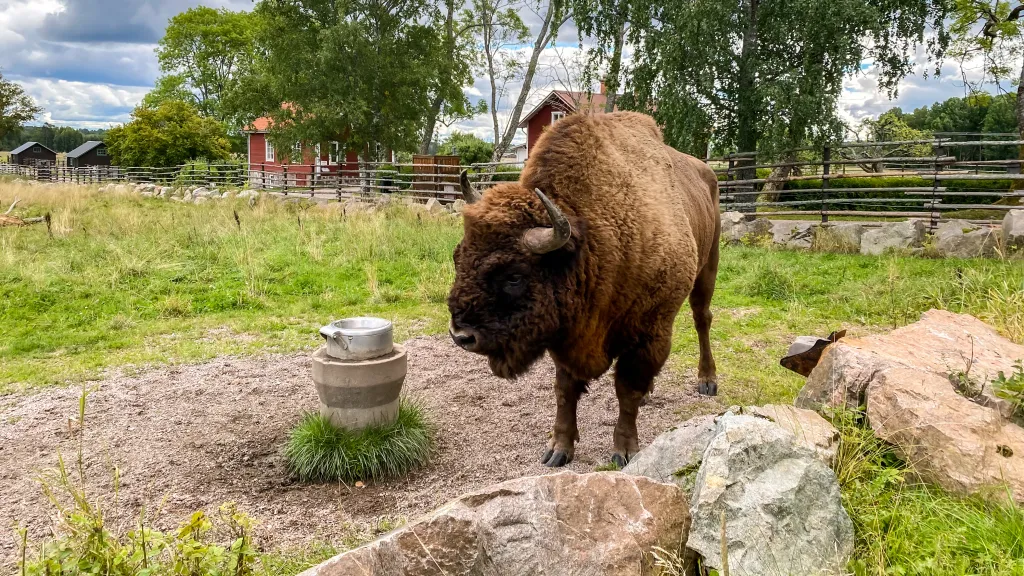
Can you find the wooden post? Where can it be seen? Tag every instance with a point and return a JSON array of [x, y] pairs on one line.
[[284, 168], [263, 176], [826, 164], [933, 221], [728, 178]]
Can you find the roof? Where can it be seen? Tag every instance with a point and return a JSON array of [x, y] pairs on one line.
[[263, 124], [28, 145], [591, 102], [88, 146]]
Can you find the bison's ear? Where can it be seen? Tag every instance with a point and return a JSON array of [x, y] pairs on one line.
[[468, 193], [542, 240]]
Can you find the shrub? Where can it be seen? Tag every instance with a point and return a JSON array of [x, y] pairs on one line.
[[1011, 387], [318, 451]]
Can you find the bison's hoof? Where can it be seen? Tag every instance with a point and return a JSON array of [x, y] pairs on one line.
[[555, 459], [707, 388], [620, 460]]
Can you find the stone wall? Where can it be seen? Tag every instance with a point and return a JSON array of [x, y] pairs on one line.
[[953, 238]]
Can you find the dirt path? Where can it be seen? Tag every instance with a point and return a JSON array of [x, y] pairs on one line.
[[193, 437]]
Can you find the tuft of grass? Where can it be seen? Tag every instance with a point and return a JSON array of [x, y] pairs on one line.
[[904, 527], [1011, 388], [318, 451], [828, 240], [769, 282]]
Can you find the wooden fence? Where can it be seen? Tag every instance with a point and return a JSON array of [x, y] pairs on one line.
[[933, 179]]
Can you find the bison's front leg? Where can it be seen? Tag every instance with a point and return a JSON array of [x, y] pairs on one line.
[[634, 378], [563, 441]]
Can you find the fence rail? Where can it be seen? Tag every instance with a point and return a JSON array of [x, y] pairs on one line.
[[936, 179]]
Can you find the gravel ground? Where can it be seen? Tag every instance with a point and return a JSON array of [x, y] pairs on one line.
[[193, 437]]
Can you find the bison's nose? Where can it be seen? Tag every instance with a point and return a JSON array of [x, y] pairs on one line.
[[465, 338]]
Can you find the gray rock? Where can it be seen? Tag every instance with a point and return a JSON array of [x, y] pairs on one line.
[[793, 233], [201, 200], [1013, 231], [783, 510], [675, 456], [121, 188], [458, 206], [246, 194], [434, 207], [201, 192], [893, 236], [737, 229], [563, 524], [961, 239], [839, 237]]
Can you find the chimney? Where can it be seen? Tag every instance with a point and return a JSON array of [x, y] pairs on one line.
[[602, 88]]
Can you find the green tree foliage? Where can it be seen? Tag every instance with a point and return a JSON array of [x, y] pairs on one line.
[[978, 112], [16, 107], [203, 55], [57, 138], [469, 148], [168, 135], [455, 57], [357, 72], [993, 30], [607, 21], [765, 73]]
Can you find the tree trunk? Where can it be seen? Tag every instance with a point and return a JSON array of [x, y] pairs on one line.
[[1019, 184], [431, 124], [746, 103], [615, 69], [435, 105], [547, 30]]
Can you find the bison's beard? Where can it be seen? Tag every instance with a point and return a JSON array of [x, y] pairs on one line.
[[513, 363]]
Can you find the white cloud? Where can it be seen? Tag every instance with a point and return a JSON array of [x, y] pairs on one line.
[[82, 104]]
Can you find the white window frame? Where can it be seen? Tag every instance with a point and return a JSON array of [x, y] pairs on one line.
[[557, 115], [101, 151], [334, 155], [270, 151], [297, 152]]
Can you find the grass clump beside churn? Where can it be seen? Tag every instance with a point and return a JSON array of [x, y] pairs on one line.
[[905, 527], [318, 451]]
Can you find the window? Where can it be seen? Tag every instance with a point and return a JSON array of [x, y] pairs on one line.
[[270, 151], [101, 151], [556, 116], [36, 149], [297, 152], [335, 153]]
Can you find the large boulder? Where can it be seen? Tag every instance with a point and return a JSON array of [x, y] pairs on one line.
[[599, 523], [675, 456], [458, 206], [893, 236], [953, 442], [793, 233], [961, 239], [738, 228], [927, 387], [1013, 231], [434, 206], [782, 506]]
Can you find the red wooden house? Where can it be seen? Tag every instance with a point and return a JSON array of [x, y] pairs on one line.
[[300, 165], [556, 106]]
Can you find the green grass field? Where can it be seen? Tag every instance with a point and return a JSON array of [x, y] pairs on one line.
[[121, 281]]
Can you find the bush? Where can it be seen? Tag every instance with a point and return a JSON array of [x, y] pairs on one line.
[[168, 135], [318, 451]]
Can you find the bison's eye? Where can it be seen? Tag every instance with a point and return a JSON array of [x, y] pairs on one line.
[[514, 285]]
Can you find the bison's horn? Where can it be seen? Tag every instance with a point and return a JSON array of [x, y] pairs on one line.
[[468, 193], [543, 240]]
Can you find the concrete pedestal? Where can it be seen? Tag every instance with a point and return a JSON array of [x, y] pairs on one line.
[[356, 394]]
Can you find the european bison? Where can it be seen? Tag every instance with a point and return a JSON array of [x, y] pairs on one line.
[[590, 257]]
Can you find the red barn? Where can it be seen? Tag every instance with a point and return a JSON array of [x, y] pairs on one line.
[[557, 105], [299, 164]]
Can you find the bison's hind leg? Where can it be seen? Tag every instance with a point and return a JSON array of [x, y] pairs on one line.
[[700, 304], [634, 379], [562, 446]]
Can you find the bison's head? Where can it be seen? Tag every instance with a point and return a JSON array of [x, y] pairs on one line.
[[510, 271]]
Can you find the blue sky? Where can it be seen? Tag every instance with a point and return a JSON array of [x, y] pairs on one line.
[[88, 62]]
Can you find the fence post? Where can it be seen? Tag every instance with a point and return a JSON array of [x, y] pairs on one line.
[[933, 221], [826, 164], [728, 178], [284, 167], [263, 176]]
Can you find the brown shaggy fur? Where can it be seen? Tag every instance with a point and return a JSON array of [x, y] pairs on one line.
[[645, 235]]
